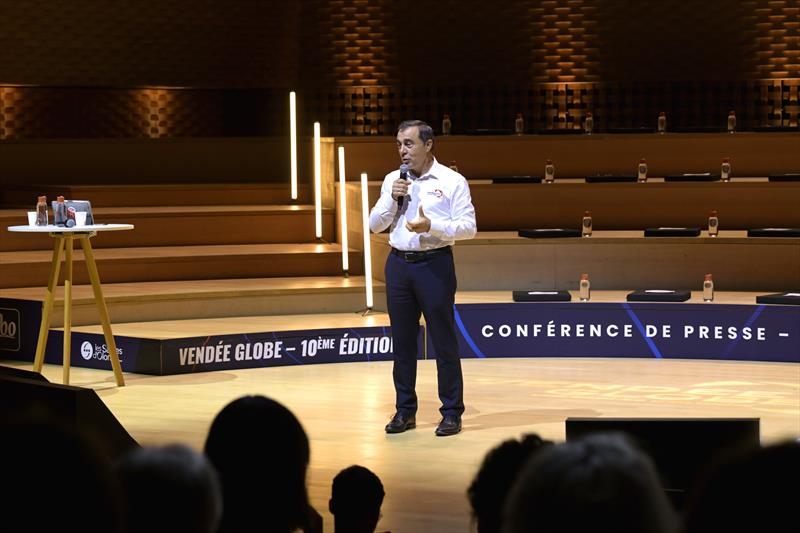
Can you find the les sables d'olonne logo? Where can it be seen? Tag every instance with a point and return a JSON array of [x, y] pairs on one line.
[[97, 351]]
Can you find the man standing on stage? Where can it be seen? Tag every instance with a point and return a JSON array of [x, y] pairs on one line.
[[427, 207]]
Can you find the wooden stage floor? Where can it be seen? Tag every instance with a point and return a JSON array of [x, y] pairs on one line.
[[344, 406]]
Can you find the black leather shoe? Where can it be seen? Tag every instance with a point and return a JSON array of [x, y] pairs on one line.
[[401, 422], [450, 425]]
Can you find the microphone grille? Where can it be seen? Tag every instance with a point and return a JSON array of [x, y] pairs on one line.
[[403, 168]]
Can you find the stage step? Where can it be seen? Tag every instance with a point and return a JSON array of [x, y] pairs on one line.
[[205, 299], [168, 263], [186, 226], [616, 260], [326, 317], [24, 196]]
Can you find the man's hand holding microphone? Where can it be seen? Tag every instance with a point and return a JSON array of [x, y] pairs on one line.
[[420, 224], [400, 186]]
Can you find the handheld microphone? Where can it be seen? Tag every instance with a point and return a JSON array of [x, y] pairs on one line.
[[403, 176]]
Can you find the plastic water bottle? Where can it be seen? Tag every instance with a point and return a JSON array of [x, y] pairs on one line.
[[731, 122], [519, 124], [641, 171], [713, 224], [584, 289], [586, 224], [41, 211], [446, 124], [725, 169], [588, 124], [60, 212], [708, 289], [549, 171], [662, 123]]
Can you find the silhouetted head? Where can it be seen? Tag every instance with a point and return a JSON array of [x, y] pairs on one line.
[[599, 483], [54, 478], [261, 454], [497, 473], [172, 487], [753, 490], [356, 498]]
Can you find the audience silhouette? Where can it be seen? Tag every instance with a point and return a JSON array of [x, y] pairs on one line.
[[497, 473], [599, 483], [55, 478], [753, 490], [253, 478], [356, 499], [261, 454], [169, 489]]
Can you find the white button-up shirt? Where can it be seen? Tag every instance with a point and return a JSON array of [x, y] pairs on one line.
[[444, 196]]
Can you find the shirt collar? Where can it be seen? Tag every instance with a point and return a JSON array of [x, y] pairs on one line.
[[432, 172]]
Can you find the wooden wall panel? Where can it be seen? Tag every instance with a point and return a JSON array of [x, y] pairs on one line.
[[78, 68]]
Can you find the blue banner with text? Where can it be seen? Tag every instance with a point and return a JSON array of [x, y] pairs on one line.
[[649, 330]]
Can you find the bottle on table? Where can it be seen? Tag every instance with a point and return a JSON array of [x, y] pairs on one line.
[[586, 224], [584, 289], [713, 224], [725, 169], [549, 171], [446, 124], [662, 122], [641, 171], [588, 124], [519, 124], [731, 122], [708, 289], [41, 211], [60, 212]]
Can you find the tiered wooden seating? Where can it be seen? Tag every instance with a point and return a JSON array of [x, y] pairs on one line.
[[197, 250]]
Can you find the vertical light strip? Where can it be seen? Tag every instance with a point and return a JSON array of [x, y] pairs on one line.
[[293, 141], [317, 180], [343, 211], [367, 249]]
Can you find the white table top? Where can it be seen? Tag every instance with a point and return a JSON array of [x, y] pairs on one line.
[[74, 229]]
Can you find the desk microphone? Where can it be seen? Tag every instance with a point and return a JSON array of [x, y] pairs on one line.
[[403, 176]]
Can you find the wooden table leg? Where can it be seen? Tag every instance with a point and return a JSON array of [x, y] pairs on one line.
[[52, 283], [91, 266], [67, 308]]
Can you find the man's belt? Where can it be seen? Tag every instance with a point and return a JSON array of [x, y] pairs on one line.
[[413, 257]]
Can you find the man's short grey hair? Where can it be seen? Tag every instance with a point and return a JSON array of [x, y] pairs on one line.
[[425, 131]]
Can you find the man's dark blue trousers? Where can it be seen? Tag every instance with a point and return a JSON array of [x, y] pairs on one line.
[[424, 283]]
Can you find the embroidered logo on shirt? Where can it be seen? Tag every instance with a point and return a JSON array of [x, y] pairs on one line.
[[436, 192]]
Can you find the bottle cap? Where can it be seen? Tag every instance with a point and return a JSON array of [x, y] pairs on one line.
[[43, 199], [708, 277], [584, 277], [588, 114], [713, 213], [549, 162], [643, 160], [587, 213], [446, 115], [731, 112], [60, 199], [726, 159], [662, 114], [519, 115]]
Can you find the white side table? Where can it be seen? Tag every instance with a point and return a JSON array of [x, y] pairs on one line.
[[63, 240]]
